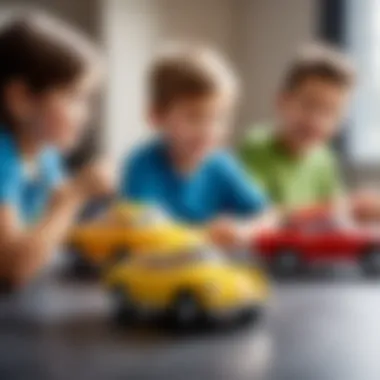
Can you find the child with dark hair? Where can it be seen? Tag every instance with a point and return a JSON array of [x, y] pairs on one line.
[[48, 74]]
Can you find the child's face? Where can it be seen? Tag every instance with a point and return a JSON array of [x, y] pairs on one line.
[[310, 114], [195, 127], [62, 114]]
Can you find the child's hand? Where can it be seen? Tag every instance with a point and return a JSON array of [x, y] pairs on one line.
[[96, 180], [231, 233], [227, 233], [365, 205]]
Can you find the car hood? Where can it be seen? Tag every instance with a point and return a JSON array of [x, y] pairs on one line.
[[225, 273]]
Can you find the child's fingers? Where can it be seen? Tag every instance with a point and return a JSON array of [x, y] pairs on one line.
[[224, 233], [99, 178]]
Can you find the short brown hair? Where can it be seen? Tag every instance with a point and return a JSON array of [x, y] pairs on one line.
[[188, 71], [43, 52], [319, 61]]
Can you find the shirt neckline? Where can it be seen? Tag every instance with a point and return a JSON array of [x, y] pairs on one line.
[[164, 151]]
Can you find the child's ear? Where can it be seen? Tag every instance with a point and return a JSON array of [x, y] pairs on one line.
[[18, 100]]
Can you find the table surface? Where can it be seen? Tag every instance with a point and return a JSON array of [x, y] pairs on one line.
[[313, 330]]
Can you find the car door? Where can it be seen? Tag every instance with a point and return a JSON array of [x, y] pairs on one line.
[[156, 281], [331, 242]]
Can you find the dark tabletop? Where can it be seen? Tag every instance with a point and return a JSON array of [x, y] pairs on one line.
[[313, 330]]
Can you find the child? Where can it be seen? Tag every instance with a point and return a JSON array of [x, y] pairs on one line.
[[47, 75], [191, 95], [292, 160]]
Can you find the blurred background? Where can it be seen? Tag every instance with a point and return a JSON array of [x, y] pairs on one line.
[[314, 331], [258, 37]]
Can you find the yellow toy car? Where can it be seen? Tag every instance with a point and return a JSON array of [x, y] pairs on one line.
[[186, 285], [124, 230]]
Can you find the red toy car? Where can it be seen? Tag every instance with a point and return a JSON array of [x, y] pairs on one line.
[[317, 236]]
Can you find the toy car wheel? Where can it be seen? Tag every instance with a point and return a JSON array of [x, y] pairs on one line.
[[186, 310], [77, 263], [287, 262], [123, 308], [251, 315], [370, 262]]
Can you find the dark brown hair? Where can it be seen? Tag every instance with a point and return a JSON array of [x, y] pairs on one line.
[[319, 61], [42, 52], [185, 72]]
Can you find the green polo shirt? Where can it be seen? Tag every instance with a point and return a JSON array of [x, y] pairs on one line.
[[290, 181]]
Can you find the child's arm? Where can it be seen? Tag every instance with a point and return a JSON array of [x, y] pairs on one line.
[[243, 197], [245, 204], [362, 205], [23, 252], [232, 233]]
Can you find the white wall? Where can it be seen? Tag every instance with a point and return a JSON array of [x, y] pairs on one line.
[[271, 31], [83, 14], [130, 33], [133, 31], [258, 35]]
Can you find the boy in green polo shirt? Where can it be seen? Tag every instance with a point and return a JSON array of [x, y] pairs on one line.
[[291, 157]]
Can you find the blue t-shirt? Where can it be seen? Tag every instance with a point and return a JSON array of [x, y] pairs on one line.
[[27, 193], [218, 187]]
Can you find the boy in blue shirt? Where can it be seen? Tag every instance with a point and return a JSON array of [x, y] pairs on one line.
[[192, 94]]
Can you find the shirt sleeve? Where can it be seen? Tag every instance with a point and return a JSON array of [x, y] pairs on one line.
[[242, 195]]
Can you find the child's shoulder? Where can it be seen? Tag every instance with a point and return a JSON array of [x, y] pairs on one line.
[[259, 135], [144, 154], [10, 164], [257, 142], [223, 163], [7, 144], [8, 151]]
